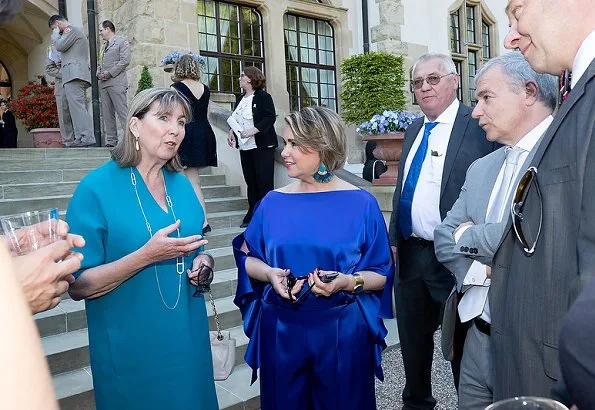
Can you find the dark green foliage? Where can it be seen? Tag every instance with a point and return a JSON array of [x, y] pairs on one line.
[[145, 81], [372, 83]]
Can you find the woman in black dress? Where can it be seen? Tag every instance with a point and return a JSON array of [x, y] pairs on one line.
[[9, 127], [199, 147]]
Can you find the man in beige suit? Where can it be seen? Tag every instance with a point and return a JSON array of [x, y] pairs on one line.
[[114, 57], [76, 76], [52, 68]]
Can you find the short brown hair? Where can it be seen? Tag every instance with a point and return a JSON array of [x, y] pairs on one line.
[[319, 129], [186, 68], [125, 153], [257, 78]]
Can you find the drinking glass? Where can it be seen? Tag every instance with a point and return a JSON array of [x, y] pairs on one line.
[[527, 403], [29, 231]]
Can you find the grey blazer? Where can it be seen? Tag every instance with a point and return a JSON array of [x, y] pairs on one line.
[[75, 55], [116, 58], [52, 68], [529, 296], [467, 143]]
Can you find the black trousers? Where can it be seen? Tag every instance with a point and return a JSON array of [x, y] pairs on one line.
[[258, 166], [421, 289]]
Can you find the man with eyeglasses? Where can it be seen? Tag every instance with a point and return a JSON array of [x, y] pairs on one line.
[[541, 266], [437, 150], [514, 107]]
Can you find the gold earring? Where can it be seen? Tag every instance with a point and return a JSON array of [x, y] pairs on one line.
[[136, 145]]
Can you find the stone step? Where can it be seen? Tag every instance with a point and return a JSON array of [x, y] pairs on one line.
[[229, 314], [235, 203], [50, 164], [226, 219], [74, 390], [35, 190], [219, 238], [68, 316], [54, 153], [13, 206], [75, 175], [66, 352]]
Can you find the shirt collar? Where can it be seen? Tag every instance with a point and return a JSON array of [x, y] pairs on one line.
[[584, 57], [530, 139], [448, 116]]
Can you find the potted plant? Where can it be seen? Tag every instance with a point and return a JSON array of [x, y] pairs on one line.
[[35, 107], [169, 60], [387, 130], [372, 97]]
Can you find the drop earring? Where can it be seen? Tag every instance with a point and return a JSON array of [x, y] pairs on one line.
[[136, 145], [322, 175]]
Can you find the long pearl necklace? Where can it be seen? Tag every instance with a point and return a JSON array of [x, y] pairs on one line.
[[180, 267]]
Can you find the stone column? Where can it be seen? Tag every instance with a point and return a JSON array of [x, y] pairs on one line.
[[387, 34]]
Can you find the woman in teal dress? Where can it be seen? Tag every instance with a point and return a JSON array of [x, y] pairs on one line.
[[148, 335]]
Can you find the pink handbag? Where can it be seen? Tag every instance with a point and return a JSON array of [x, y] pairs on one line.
[[223, 348]]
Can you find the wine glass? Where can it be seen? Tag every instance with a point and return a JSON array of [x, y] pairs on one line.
[[527, 403]]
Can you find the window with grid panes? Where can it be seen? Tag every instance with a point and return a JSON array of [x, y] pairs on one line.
[[471, 44], [230, 38], [310, 62]]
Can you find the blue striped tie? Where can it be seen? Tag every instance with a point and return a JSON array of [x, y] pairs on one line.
[[412, 177]]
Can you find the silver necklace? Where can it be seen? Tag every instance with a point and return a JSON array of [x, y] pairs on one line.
[[180, 267]]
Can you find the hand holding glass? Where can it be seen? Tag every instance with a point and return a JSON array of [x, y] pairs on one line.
[[29, 231]]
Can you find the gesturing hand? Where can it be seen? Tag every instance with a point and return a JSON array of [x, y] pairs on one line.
[[162, 247]]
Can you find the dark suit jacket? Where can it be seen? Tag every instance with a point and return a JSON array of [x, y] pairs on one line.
[[529, 296], [264, 116], [467, 143]]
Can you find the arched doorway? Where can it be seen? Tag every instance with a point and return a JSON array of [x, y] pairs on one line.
[[5, 83]]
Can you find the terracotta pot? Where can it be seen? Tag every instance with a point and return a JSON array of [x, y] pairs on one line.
[[168, 68], [47, 138], [389, 148]]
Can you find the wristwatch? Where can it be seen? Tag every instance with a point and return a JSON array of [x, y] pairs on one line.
[[359, 284]]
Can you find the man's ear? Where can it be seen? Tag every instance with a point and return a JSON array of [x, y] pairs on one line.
[[531, 92]]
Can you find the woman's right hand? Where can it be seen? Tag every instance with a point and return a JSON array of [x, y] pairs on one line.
[[278, 279], [231, 141], [162, 247]]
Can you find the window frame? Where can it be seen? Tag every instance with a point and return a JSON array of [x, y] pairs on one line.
[[299, 65], [477, 48], [240, 59]]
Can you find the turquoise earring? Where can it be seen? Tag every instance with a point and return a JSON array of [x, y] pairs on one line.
[[322, 175]]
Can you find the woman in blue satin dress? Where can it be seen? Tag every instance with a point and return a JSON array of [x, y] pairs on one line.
[[148, 335], [315, 278]]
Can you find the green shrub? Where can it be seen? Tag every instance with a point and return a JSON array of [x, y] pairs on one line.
[[372, 83], [145, 81]]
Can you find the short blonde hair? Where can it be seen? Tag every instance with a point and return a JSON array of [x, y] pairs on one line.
[[319, 129], [186, 68], [125, 153]]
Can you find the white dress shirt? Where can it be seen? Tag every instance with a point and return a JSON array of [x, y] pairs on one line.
[[243, 115], [425, 208], [475, 300], [583, 58]]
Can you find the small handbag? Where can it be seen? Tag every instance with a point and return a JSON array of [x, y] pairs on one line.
[[223, 348]]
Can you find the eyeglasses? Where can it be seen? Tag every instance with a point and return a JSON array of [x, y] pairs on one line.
[[520, 197], [431, 80], [291, 282]]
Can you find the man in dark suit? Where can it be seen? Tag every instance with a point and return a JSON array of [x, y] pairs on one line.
[[437, 151], [541, 266]]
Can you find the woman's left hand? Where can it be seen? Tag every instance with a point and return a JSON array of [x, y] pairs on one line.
[[198, 268], [320, 288]]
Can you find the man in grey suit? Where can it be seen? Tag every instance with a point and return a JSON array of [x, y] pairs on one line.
[[437, 150], [52, 68], [541, 266], [76, 77], [114, 57], [514, 107]]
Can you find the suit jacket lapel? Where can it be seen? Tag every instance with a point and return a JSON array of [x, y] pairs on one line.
[[487, 182], [454, 143]]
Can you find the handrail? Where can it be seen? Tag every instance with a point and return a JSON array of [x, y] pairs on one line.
[[218, 118]]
